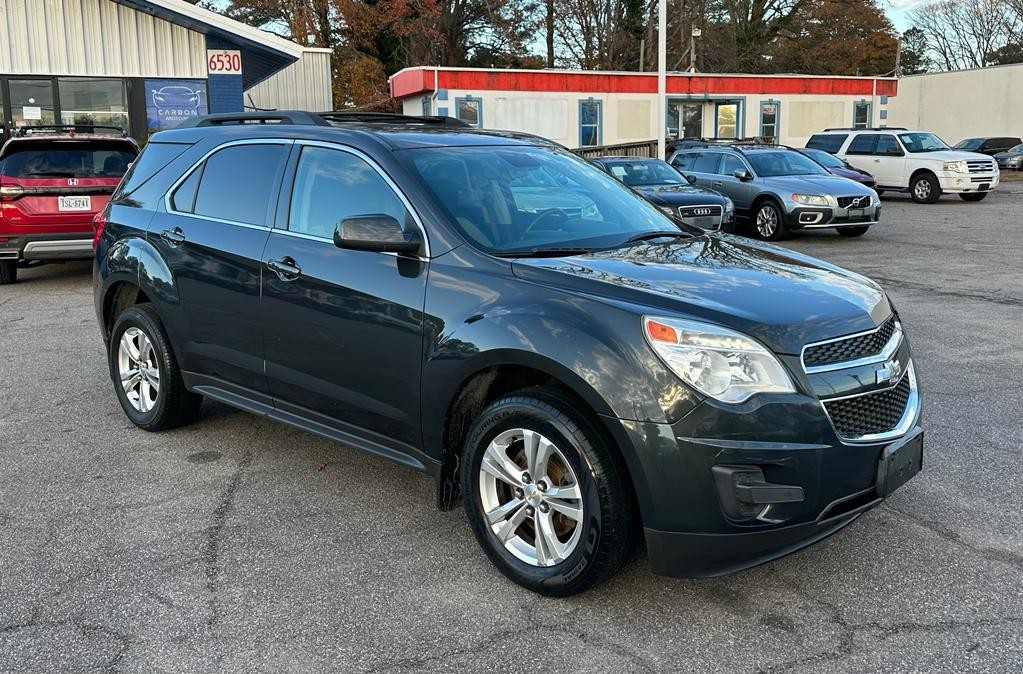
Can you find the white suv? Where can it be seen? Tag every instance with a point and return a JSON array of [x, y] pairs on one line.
[[917, 162]]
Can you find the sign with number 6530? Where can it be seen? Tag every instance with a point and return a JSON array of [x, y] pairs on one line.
[[224, 61]]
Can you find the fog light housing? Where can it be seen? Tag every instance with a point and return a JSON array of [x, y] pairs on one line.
[[745, 494]]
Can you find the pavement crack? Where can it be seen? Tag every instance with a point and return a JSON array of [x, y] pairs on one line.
[[945, 292], [212, 566], [990, 554]]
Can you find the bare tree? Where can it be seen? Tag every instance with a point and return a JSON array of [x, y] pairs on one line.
[[962, 33]]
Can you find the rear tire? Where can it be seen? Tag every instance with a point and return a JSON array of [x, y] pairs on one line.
[[973, 196], [8, 272], [145, 373], [550, 544], [769, 222], [852, 231], [924, 189]]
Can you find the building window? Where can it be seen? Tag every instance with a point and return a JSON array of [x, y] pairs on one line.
[[861, 115], [589, 122], [727, 120], [32, 102], [769, 120], [85, 100], [469, 110]]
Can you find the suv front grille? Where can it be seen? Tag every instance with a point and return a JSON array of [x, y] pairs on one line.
[[699, 211], [871, 413], [853, 348], [855, 202], [981, 166]]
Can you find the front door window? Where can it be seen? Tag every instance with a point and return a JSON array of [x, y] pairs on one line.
[[31, 102], [727, 115]]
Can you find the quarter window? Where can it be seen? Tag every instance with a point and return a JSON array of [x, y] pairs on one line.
[[237, 183], [684, 161], [589, 123], [829, 142], [333, 185]]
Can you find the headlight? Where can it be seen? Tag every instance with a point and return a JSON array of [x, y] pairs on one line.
[[956, 166], [716, 361], [810, 199], [667, 210], [729, 206]]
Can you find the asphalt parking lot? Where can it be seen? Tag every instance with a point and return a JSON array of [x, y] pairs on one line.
[[239, 544]]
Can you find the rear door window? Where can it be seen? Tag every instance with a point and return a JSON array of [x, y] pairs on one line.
[[67, 159], [863, 144], [238, 182], [707, 162], [829, 142]]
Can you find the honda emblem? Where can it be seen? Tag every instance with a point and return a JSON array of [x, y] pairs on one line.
[[72, 182]]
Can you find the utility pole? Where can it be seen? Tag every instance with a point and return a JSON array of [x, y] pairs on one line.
[[693, 34], [550, 33], [662, 49]]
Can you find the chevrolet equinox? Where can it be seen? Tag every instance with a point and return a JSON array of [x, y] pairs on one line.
[[577, 376]]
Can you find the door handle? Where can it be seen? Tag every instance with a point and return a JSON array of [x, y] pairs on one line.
[[718, 183], [285, 268], [173, 236]]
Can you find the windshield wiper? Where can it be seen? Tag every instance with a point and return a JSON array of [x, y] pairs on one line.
[[543, 252], [657, 234]]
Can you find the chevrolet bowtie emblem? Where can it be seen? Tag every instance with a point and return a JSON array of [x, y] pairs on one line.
[[888, 372]]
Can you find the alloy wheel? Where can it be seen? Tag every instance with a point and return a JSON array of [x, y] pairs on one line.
[[767, 221], [531, 497], [138, 370]]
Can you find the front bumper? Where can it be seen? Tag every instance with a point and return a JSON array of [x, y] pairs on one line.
[[689, 526], [820, 217], [956, 183]]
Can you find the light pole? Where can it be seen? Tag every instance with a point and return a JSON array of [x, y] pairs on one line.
[[662, 48]]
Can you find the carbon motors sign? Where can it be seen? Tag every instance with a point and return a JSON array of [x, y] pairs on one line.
[[223, 62]]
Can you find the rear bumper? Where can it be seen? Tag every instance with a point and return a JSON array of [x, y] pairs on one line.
[[46, 247]]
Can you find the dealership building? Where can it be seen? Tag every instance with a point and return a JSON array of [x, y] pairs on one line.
[[145, 65]]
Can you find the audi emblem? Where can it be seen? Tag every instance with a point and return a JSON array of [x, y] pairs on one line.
[[72, 182], [702, 211]]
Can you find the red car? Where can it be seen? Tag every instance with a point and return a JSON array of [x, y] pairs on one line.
[[53, 181]]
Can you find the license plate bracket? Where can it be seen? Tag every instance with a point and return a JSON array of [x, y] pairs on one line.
[[984, 187], [898, 463], [76, 203]]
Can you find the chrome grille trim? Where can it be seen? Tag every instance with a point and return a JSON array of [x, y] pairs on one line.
[[886, 352], [906, 422]]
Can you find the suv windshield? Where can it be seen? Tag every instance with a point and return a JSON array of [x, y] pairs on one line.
[[528, 199], [644, 173], [783, 163], [922, 142], [67, 159], [823, 158], [969, 144]]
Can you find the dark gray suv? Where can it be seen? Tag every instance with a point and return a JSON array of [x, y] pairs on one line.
[[779, 190], [579, 374]]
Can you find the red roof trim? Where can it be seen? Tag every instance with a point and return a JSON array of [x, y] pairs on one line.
[[414, 81]]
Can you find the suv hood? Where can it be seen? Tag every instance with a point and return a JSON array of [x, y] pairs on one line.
[[782, 298], [949, 155], [828, 184], [678, 193]]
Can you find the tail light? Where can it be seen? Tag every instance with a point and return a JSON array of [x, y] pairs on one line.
[[11, 192], [99, 223]]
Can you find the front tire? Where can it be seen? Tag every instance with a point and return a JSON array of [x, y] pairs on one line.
[[769, 222], [852, 231], [8, 272], [145, 373], [973, 196], [925, 189], [545, 494]]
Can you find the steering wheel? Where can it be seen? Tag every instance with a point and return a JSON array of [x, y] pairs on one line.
[[550, 212]]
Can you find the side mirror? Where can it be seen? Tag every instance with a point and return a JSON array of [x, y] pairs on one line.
[[379, 233], [690, 178], [742, 175]]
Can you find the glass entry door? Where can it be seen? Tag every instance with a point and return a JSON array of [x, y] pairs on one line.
[[690, 120], [31, 102], [726, 122]]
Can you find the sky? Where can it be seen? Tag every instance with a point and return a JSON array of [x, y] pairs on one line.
[[898, 9]]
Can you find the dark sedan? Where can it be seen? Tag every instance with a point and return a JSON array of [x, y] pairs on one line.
[[837, 166], [1011, 158], [661, 184]]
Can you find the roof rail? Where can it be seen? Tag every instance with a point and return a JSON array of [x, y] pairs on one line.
[[299, 117], [390, 118], [863, 128], [24, 131]]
